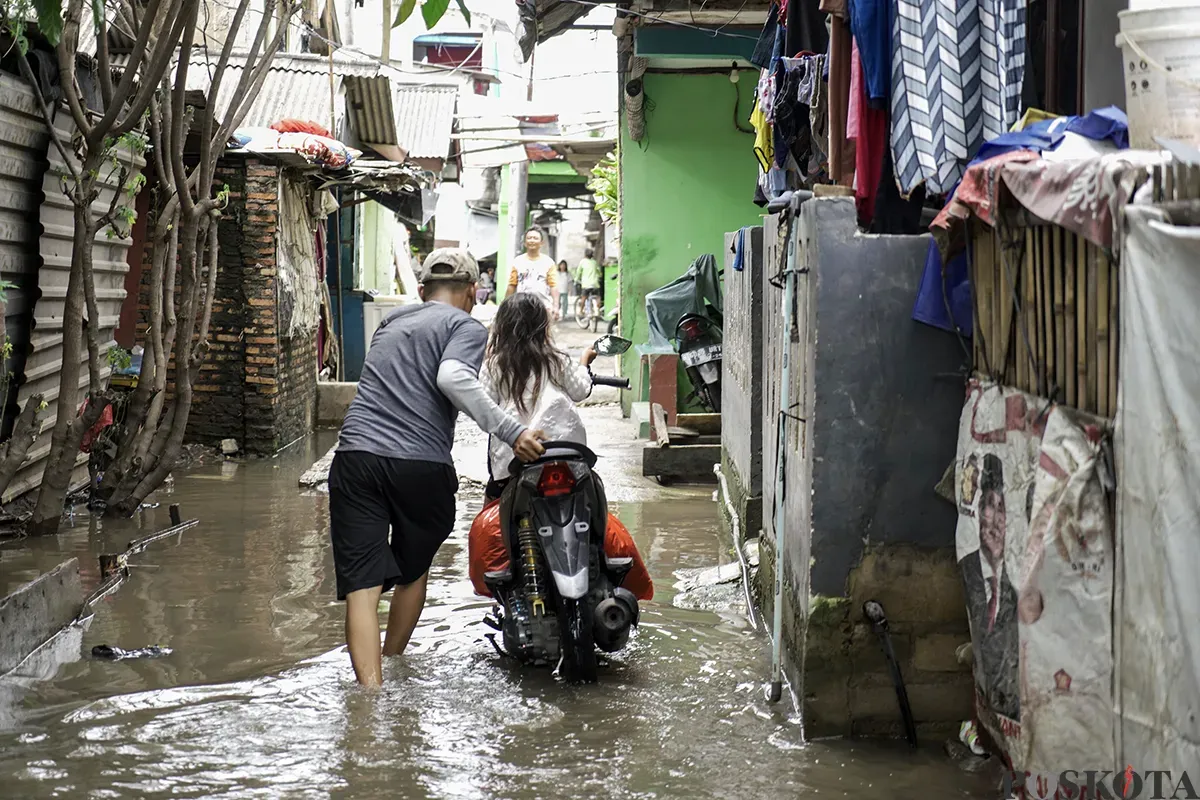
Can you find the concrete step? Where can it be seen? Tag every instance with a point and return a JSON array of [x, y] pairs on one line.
[[640, 414]]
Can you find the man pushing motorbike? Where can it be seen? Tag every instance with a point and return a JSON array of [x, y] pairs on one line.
[[393, 468]]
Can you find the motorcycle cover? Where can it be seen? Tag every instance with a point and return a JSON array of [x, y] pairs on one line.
[[687, 294], [486, 552]]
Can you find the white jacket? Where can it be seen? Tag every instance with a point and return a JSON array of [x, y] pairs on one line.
[[553, 413]]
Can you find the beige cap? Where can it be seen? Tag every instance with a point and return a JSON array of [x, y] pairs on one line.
[[449, 264]]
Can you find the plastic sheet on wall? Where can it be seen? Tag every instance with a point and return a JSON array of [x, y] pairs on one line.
[[299, 300], [1035, 546], [1158, 460]]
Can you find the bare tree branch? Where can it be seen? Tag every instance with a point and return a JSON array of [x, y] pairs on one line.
[[68, 45], [105, 69], [27, 74], [23, 436]]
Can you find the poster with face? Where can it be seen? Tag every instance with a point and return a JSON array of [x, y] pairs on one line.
[[999, 436], [1034, 543], [1064, 606]]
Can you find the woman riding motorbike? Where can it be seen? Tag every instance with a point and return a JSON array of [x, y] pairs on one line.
[[529, 377]]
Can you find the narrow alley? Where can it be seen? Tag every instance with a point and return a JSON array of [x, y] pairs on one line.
[[256, 698], [572, 399]]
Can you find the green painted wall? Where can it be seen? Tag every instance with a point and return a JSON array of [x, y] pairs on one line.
[[687, 183], [377, 265]]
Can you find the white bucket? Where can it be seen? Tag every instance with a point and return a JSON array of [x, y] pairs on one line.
[[1161, 48], [1155, 5]]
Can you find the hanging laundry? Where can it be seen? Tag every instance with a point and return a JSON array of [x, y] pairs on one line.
[[764, 150], [871, 26], [957, 70], [765, 48], [841, 146], [793, 135], [814, 93], [739, 249], [894, 213], [869, 127], [805, 26]]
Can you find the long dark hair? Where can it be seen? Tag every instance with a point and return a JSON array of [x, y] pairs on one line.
[[520, 350]]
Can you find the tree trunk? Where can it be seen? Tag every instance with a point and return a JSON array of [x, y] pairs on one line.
[[65, 442], [23, 436]]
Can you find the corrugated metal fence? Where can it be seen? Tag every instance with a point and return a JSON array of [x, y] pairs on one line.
[[31, 170]]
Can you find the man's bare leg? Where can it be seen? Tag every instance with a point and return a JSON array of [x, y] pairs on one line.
[[362, 635], [407, 603]]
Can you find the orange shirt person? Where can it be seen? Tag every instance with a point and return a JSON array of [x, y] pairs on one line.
[[533, 272]]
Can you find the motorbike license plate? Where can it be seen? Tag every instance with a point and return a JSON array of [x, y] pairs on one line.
[[695, 358]]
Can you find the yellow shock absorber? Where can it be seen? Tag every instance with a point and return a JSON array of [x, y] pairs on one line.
[[527, 539]]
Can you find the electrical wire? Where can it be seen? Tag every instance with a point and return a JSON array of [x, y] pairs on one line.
[[714, 32]]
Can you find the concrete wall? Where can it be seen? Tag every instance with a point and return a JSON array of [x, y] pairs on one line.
[[886, 397], [876, 403], [37, 611], [689, 181], [741, 378]]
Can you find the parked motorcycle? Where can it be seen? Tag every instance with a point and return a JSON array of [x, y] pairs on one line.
[[560, 598], [614, 319], [698, 342]]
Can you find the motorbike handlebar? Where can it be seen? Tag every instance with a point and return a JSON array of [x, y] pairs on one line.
[[605, 380]]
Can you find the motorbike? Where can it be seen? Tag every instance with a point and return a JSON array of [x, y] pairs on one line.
[[698, 342], [614, 319], [560, 597]]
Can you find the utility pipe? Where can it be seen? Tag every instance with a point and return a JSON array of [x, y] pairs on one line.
[[739, 543], [780, 522]]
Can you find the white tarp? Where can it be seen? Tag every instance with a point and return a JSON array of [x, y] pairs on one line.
[[299, 299], [1035, 545], [1158, 461]]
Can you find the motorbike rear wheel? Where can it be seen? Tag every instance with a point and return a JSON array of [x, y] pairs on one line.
[[578, 642]]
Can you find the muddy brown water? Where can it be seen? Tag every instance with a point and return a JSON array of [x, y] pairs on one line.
[[257, 699]]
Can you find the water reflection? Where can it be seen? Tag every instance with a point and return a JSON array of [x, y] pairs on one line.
[[257, 699]]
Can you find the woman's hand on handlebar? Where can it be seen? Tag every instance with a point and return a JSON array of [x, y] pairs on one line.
[[528, 446], [588, 357]]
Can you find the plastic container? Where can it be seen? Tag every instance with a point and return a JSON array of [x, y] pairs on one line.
[[1160, 41]]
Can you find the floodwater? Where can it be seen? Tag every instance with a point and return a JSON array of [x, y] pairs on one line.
[[258, 699]]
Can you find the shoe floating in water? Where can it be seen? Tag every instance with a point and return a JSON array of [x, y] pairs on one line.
[[110, 653]]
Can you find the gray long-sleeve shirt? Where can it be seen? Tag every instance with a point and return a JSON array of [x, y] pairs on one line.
[[421, 370]]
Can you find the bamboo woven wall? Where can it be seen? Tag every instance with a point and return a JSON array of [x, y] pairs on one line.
[[1046, 313], [1175, 181]]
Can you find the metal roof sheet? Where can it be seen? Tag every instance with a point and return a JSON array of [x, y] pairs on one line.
[[296, 87], [424, 118]]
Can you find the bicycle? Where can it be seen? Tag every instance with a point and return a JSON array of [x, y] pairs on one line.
[[588, 311]]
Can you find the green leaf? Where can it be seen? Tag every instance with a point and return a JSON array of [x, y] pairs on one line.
[[466, 12], [407, 7], [97, 11], [433, 10], [50, 20]]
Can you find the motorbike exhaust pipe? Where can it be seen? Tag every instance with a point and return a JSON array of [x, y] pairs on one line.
[[613, 618], [873, 611]]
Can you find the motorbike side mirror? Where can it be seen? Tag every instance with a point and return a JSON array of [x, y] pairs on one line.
[[610, 345]]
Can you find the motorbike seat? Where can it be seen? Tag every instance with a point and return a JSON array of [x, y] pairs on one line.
[[557, 451]]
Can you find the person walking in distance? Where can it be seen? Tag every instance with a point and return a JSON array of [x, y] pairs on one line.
[[589, 277], [534, 272], [393, 468], [563, 281]]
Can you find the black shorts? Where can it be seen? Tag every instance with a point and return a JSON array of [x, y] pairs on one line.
[[592, 292], [370, 494]]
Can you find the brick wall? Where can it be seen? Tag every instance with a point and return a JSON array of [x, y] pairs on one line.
[[257, 386]]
